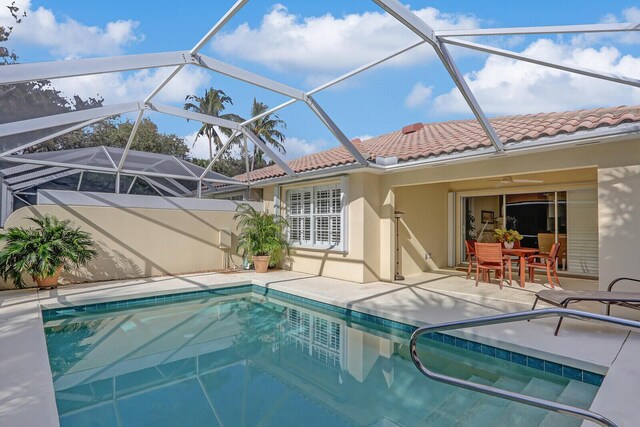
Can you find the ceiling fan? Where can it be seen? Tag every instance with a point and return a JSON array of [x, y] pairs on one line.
[[506, 180]]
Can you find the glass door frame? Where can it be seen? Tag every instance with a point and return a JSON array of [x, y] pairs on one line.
[[503, 192]]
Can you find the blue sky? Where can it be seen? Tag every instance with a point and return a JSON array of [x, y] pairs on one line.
[[304, 44]]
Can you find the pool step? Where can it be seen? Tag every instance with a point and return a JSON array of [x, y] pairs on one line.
[[489, 408], [449, 410], [521, 415], [576, 393]]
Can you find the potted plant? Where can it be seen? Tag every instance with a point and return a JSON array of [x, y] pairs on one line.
[[262, 237], [44, 251], [507, 237]]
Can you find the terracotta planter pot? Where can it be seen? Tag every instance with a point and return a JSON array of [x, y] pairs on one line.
[[261, 263], [509, 245], [49, 282]]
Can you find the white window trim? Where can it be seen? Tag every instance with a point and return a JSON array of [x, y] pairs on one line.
[[312, 188]]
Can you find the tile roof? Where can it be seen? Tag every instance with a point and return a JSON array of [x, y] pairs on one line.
[[434, 139]]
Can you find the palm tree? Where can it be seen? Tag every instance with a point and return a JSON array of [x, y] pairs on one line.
[[212, 104], [266, 128]]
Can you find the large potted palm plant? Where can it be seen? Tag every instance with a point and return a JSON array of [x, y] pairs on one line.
[[262, 237], [44, 251]]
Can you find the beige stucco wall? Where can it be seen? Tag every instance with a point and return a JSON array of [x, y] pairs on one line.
[[360, 263], [422, 194], [139, 242], [423, 228], [619, 225]]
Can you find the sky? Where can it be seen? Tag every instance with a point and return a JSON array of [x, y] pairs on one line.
[[305, 44]]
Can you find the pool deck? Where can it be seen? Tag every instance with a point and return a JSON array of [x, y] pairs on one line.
[[26, 389]]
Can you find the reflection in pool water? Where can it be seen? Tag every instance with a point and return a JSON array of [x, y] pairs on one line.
[[251, 361]]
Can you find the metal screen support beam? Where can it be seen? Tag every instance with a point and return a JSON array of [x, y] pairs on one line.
[[203, 41], [408, 19], [518, 56], [155, 185], [71, 118], [80, 180], [419, 27], [217, 155], [336, 81], [204, 118], [132, 136], [199, 192], [248, 77], [112, 170], [468, 96], [32, 175], [35, 182], [246, 160], [18, 73], [273, 156], [335, 130], [133, 181], [557, 29], [50, 136]]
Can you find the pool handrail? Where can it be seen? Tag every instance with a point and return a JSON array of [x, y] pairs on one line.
[[505, 394]]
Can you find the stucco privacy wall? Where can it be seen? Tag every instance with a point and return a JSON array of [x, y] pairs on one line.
[[619, 226], [144, 241]]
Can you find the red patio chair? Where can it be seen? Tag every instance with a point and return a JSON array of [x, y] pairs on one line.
[[548, 262], [489, 257], [471, 253]]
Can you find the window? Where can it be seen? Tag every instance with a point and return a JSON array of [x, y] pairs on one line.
[[315, 216]]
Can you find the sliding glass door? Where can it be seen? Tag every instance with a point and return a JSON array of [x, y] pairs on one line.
[[543, 218]]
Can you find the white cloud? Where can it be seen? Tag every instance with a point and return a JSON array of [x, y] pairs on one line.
[[364, 137], [419, 95], [297, 147], [135, 86], [326, 44], [68, 38], [199, 148], [506, 86]]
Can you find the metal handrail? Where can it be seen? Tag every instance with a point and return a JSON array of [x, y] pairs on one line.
[[509, 395]]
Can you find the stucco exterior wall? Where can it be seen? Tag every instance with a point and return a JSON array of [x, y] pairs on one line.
[[619, 226], [360, 263], [423, 228], [422, 194], [141, 242]]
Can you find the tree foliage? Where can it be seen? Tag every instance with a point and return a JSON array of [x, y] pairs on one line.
[[114, 132], [212, 104]]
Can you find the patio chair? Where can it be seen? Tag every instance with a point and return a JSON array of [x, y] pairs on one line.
[[470, 246], [489, 257], [548, 262], [564, 298]]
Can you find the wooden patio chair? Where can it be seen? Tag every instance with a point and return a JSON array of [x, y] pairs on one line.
[[548, 262], [470, 246], [489, 257]]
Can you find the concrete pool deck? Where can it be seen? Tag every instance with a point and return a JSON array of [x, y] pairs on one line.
[[26, 389]]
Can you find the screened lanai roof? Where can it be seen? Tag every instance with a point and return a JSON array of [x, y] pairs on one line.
[[38, 124], [177, 176]]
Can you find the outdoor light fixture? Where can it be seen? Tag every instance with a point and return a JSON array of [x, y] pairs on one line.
[[397, 215]]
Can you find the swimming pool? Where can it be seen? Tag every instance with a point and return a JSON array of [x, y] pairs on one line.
[[236, 357]]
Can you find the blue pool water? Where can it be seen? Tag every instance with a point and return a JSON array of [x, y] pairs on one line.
[[250, 360]]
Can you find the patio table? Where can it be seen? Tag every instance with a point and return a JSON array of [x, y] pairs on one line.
[[522, 253]]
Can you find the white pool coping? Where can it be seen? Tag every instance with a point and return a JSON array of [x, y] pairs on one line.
[[26, 390]]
